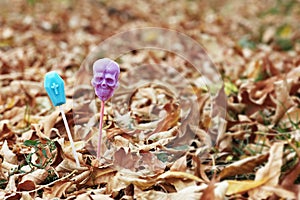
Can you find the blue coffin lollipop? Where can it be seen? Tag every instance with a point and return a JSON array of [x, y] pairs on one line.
[[55, 88]]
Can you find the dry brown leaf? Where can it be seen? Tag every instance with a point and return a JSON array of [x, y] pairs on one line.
[[100, 175], [8, 168], [236, 187], [283, 99], [220, 190], [37, 176], [7, 154], [101, 196], [59, 189], [68, 164], [160, 143], [191, 193], [181, 184], [292, 115], [15, 115], [27, 196], [84, 196], [173, 114], [29, 181], [179, 175], [31, 88], [270, 172], [82, 177], [49, 121], [243, 166], [152, 195], [280, 192], [163, 135], [26, 185], [289, 178], [125, 160], [11, 185], [179, 165], [208, 193], [125, 177], [256, 95]]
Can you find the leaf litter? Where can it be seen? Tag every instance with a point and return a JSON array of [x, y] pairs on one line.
[[155, 148]]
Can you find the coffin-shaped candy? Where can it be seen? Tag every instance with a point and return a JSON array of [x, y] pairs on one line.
[[55, 88]]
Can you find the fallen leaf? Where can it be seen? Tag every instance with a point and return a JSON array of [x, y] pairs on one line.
[[37, 176], [243, 166], [59, 189], [180, 175], [191, 193], [208, 193], [125, 177], [100, 175], [271, 171], [291, 116], [26, 185], [287, 181], [283, 99], [11, 185], [280, 192], [7, 154], [179, 165], [220, 190], [101, 196], [236, 187]]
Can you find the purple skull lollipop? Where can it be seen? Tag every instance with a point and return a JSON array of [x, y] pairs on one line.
[[105, 79]]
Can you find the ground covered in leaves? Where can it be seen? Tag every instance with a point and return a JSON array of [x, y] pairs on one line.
[[154, 148]]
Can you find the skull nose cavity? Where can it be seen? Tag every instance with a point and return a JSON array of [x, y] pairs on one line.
[[103, 84]]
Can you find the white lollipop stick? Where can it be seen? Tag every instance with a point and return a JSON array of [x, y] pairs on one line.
[[69, 136]]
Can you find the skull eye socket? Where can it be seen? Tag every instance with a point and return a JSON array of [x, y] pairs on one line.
[[99, 79], [110, 81]]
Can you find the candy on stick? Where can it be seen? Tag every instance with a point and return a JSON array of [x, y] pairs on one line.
[[54, 86], [105, 81]]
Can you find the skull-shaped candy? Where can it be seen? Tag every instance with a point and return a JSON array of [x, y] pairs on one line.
[[105, 79]]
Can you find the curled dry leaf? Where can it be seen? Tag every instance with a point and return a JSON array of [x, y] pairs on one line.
[[283, 99], [179, 165], [50, 121], [280, 192], [243, 166], [26, 185], [182, 184], [137, 161], [179, 175], [236, 187], [192, 192], [287, 181], [11, 185], [215, 191], [37, 176], [101, 196], [208, 193], [291, 116], [140, 181], [59, 189], [101, 175], [7, 154], [270, 172]]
